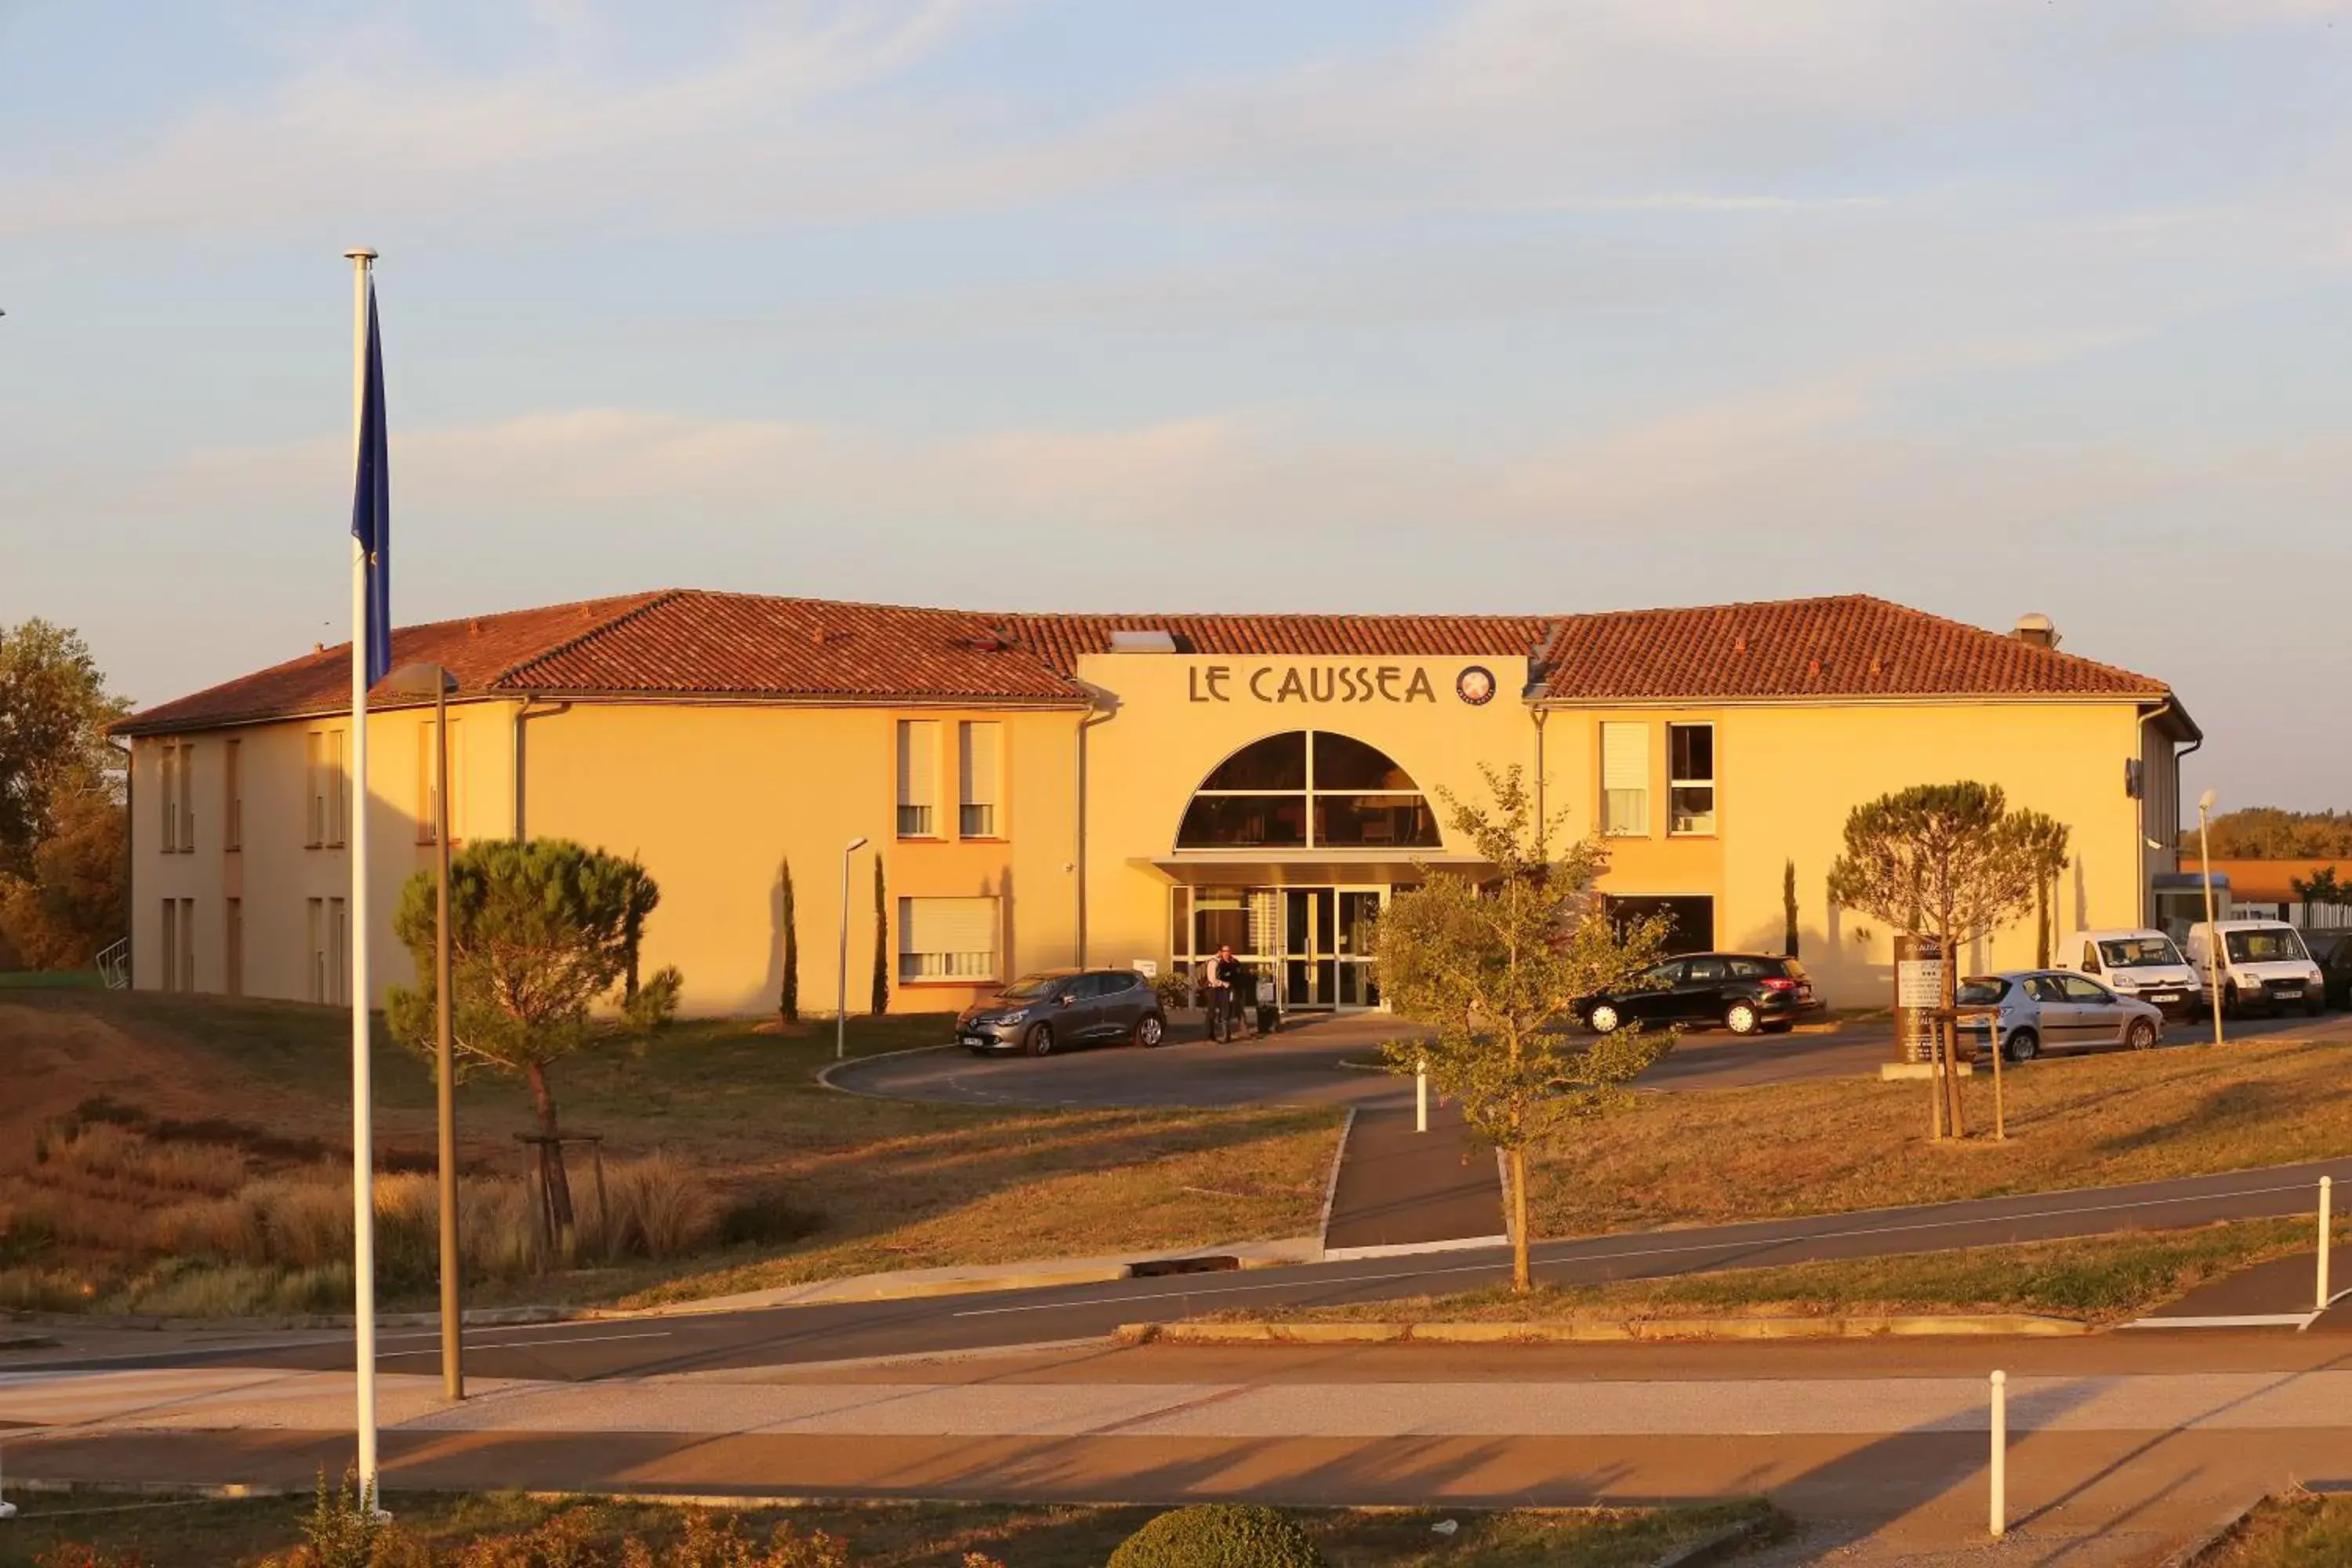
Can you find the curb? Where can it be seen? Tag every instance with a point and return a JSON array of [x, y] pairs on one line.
[[2224, 1530], [824, 1074], [1572, 1332], [881, 1290]]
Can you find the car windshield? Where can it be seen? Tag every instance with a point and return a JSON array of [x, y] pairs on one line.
[[2138, 952], [1982, 991], [1029, 987], [2270, 944]]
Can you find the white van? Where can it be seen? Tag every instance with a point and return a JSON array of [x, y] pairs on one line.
[[2263, 966], [2137, 963]]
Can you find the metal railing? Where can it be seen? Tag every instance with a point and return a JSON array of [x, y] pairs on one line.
[[114, 964]]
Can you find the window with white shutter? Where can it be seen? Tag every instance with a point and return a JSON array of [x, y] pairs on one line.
[[947, 938], [1625, 780], [980, 763], [918, 778]]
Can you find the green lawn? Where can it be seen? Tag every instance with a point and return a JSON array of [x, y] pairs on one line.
[[253, 1533], [2099, 1280]]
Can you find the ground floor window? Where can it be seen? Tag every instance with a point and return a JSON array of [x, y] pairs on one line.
[[947, 938], [1690, 916]]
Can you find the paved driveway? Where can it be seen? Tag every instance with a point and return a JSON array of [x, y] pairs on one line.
[[1307, 1064]]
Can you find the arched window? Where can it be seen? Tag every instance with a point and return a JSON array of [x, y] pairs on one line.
[[1309, 789]]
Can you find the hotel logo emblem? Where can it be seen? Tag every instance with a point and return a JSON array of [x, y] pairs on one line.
[[1474, 685]]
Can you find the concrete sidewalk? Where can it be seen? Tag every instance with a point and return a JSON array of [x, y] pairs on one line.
[[1398, 1191], [2108, 1468]]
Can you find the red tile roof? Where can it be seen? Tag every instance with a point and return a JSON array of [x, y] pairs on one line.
[[1851, 645], [690, 643]]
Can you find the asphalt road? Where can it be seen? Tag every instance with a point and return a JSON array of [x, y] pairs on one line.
[[1307, 1065], [798, 1336]]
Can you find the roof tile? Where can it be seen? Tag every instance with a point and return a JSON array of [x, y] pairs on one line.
[[690, 643]]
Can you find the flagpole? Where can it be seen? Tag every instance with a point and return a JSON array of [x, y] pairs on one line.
[[363, 1087]]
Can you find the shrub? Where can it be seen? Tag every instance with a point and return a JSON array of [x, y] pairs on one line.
[[43, 1291], [1219, 1535], [766, 1219], [661, 1207], [342, 1526]]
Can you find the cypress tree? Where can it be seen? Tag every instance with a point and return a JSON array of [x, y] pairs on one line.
[[788, 1002], [881, 944], [1788, 909]]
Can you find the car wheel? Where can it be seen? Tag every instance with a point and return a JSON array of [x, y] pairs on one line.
[[1603, 1020], [2230, 1007], [2314, 1005], [1041, 1040], [2022, 1047], [1150, 1030], [1740, 1018], [2141, 1036]]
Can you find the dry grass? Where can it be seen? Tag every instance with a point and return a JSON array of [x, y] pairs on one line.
[[1716, 1156], [808, 1183], [2295, 1531]]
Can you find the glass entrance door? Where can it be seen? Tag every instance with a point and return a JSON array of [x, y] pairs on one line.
[[1327, 946]]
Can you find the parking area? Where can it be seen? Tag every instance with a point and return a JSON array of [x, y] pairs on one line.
[[1324, 1062]]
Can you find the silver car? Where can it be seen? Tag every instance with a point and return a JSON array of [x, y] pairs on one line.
[[2056, 1010]]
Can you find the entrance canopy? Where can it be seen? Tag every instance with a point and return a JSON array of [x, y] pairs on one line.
[[1327, 870]]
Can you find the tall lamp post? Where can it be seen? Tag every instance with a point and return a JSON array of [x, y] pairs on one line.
[[2213, 931], [841, 1016], [420, 680]]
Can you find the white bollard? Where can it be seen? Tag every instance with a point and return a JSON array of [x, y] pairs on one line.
[[1421, 1115], [2326, 1224], [2000, 1453]]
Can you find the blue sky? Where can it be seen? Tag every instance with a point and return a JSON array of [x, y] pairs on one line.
[[1503, 305]]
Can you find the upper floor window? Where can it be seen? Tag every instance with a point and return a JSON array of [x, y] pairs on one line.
[[233, 794], [168, 772], [1625, 780], [918, 778], [1690, 778], [428, 783], [324, 789], [1309, 789], [979, 779]]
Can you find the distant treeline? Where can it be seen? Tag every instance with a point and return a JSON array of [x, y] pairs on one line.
[[2269, 833]]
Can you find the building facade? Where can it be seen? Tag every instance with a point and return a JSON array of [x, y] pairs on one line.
[[1045, 790]]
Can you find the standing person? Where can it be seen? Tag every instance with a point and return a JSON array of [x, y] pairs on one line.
[[1217, 991]]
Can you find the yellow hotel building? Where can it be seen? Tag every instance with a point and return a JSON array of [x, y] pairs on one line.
[[1055, 789]]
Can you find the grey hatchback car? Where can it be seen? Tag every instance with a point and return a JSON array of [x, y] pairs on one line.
[[1042, 1013], [2056, 1010]]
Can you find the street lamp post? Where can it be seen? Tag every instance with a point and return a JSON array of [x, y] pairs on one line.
[[2213, 931], [417, 680], [841, 1014]]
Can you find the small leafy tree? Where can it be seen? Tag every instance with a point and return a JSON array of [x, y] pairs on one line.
[[1788, 908], [541, 932], [2320, 887], [1495, 970], [788, 1001], [881, 944], [1949, 861]]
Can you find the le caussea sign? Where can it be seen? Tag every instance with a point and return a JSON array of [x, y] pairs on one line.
[[1319, 683]]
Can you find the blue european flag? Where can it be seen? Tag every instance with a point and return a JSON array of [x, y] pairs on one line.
[[371, 507]]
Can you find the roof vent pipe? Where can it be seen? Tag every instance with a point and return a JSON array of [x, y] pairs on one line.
[[2037, 630]]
